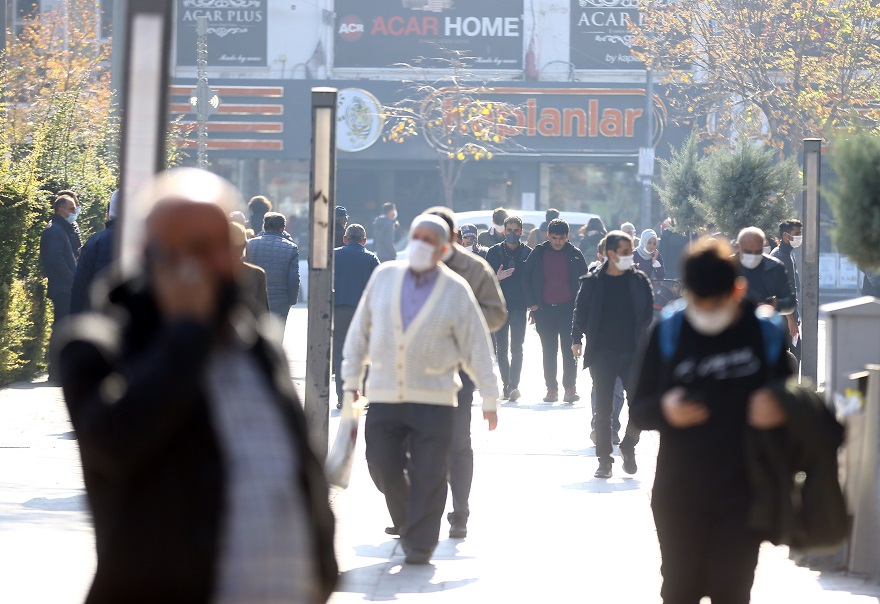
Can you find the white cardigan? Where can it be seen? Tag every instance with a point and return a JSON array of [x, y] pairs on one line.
[[421, 364]]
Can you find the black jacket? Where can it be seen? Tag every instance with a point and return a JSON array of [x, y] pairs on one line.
[[588, 310], [353, 264], [97, 254], [807, 513], [783, 253], [58, 256], [533, 286], [767, 280], [512, 287], [151, 457], [489, 238]]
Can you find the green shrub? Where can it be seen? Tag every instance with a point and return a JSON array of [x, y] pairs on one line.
[[682, 187], [855, 198]]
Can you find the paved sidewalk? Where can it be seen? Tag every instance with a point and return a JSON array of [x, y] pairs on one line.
[[542, 529]]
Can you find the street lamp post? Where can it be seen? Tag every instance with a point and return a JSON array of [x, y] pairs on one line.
[[810, 264], [321, 205], [646, 153]]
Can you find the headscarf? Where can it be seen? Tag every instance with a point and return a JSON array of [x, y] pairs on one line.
[[647, 235]]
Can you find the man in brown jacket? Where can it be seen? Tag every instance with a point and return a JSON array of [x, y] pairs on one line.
[[479, 275]]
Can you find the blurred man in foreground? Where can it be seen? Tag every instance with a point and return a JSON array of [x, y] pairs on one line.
[[194, 450]]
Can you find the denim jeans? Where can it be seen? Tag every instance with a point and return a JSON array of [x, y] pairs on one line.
[[554, 328], [616, 408]]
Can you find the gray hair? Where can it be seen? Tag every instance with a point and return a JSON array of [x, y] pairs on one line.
[[355, 233], [751, 231]]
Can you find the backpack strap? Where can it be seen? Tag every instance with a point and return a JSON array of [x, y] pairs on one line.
[[669, 330], [772, 335]]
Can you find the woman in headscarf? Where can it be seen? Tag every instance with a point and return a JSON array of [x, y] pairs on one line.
[[647, 256]]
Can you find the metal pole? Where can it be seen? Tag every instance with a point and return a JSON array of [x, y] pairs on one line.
[[117, 54], [810, 264], [202, 88], [648, 170], [4, 8], [144, 117], [321, 213]]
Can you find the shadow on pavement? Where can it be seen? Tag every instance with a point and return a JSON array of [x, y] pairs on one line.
[[602, 485], [75, 503], [384, 581], [40, 382]]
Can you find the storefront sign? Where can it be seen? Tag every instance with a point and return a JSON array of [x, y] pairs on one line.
[[384, 33], [236, 32], [601, 36], [568, 121]]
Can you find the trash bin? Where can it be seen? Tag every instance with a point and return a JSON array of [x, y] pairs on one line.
[[852, 340], [863, 481]]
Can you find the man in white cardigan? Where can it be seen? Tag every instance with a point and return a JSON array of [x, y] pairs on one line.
[[417, 323]]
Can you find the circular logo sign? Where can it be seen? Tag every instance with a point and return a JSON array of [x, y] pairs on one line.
[[359, 120], [351, 28]]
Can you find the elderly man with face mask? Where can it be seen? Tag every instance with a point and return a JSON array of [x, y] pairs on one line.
[[417, 323], [195, 456], [766, 276]]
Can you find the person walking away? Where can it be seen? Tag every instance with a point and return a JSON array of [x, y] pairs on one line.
[[479, 277], [417, 322], [790, 238], [495, 234], [648, 258], [594, 232], [552, 272], [614, 308], [58, 259], [385, 228], [469, 240], [766, 276], [703, 385], [617, 406], [251, 277], [508, 261], [97, 254], [339, 225], [258, 206], [538, 235], [353, 265], [195, 456], [279, 257]]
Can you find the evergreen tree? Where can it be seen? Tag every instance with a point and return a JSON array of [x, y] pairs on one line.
[[682, 187], [855, 198], [748, 187]]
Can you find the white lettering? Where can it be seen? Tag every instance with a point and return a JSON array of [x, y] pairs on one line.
[[452, 24], [511, 27], [482, 26], [471, 31], [351, 28]]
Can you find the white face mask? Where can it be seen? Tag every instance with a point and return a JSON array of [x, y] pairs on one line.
[[710, 323], [797, 240], [750, 260], [766, 249], [394, 215], [499, 228], [624, 262], [421, 255]]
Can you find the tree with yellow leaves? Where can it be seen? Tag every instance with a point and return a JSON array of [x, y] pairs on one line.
[[774, 71], [450, 114]]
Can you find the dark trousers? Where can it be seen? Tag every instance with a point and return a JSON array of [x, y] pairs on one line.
[[461, 453], [60, 311], [415, 499], [605, 369], [554, 329], [342, 316], [512, 335], [706, 552], [615, 409]]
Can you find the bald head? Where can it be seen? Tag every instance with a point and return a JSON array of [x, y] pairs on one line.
[[750, 241]]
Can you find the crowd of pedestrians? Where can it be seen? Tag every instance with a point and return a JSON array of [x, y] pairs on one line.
[[178, 388]]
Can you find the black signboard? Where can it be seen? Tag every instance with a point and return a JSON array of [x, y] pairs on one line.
[[382, 33], [600, 34], [236, 32]]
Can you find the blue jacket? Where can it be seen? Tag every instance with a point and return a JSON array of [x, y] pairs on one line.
[[279, 257], [352, 266], [97, 254], [58, 256]]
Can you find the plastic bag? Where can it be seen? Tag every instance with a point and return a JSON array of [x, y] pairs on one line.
[[337, 468]]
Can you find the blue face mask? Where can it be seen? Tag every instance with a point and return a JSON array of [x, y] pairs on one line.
[[71, 218], [511, 238]]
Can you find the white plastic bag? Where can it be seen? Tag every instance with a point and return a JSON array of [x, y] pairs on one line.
[[341, 457]]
